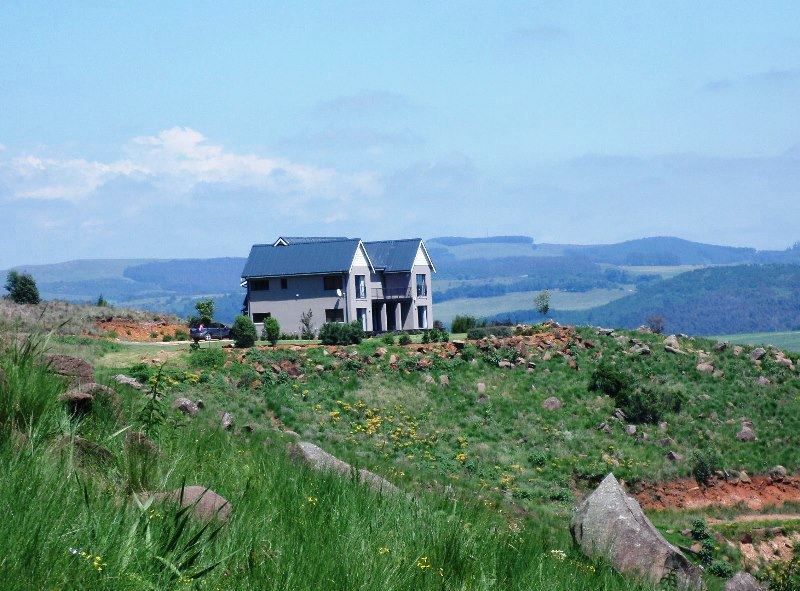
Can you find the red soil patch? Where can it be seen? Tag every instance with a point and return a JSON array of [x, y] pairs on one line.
[[140, 331], [686, 494]]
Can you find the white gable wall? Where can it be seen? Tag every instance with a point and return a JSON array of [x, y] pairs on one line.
[[420, 259]]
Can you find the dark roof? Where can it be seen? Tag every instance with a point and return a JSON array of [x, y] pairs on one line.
[[310, 239], [301, 258], [393, 255]]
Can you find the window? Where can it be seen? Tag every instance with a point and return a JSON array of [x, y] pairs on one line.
[[332, 282], [284, 283], [259, 284], [259, 317], [422, 286], [361, 314], [361, 287], [422, 317], [334, 315]]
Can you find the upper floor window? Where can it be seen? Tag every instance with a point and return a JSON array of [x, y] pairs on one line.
[[259, 284], [332, 282], [422, 285], [361, 286], [284, 283]]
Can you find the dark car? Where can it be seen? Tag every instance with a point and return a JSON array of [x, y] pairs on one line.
[[214, 330]]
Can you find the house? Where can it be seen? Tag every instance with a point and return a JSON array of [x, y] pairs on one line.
[[385, 285]]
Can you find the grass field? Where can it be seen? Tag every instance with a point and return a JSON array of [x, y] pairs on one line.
[[782, 340], [559, 300]]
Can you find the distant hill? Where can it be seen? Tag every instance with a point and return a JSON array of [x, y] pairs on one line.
[[715, 300]]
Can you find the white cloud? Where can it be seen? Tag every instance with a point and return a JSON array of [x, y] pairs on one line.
[[178, 160]]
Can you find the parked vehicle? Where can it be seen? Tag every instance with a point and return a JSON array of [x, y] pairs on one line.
[[214, 330]]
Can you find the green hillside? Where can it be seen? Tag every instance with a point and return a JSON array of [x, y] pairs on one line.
[[783, 340]]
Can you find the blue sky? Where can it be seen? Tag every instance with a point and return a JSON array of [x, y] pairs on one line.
[[196, 129]]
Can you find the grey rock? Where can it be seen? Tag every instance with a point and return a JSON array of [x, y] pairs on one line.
[[630, 429], [778, 473], [743, 581], [505, 364], [746, 434], [737, 350], [128, 381], [757, 354], [673, 456], [643, 350], [318, 459], [744, 477], [186, 406], [444, 380], [205, 503], [226, 422], [611, 525], [481, 388], [552, 403], [720, 346], [705, 368]]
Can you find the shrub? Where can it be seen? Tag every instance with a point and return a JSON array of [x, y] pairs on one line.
[[426, 336], [388, 339], [463, 323], [784, 576], [22, 288], [243, 331], [484, 331], [704, 463], [207, 358], [404, 339], [167, 338], [608, 379], [339, 333], [656, 323], [101, 302], [271, 331], [648, 404], [181, 335], [307, 331]]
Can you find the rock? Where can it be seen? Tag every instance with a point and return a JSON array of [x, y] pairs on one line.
[[483, 398], [604, 427], [743, 581], [226, 421], [481, 388], [778, 473], [200, 404], [424, 363], [380, 352], [505, 364], [622, 340], [128, 381], [674, 456], [138, 443], [784, 362], [78, 401], [630, 429], [572, 363], [76, 370], [186, 406], [459, 345], [552, 403], [392, 359], [746, 434], [744, 477], [611, 525], [640, 350], [674, 350], [318, 459], [705, 368], [720, 346], [672, 341], [610, 460], [737, 350], [444, 380], [718, 373], [663, 426], [428, 379], [619, 414], [205, 503], [87, 452], [605, 332], [757, 354], [319, 367]]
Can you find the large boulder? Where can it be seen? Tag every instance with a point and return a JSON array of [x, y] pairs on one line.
[[80, 399], [318, 459], [743, 581], [186, 406], [76, 370], [611, 525]]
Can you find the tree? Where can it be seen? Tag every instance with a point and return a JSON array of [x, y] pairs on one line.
[[307, 325], [271, 331], [655, 323], [205, 309], [22, 288], [243, 331], [101, 302], [542, 302]]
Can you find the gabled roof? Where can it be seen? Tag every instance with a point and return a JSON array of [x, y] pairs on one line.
[[393, 256], [287, 240], [301, 258]]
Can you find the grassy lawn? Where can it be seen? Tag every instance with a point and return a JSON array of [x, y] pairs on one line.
[[559, 300], [783, 340]]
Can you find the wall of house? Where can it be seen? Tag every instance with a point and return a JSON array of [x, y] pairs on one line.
[[422, 300], [303, 293], [355, 302]]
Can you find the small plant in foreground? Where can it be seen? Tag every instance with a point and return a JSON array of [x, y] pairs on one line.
[[243, 332]]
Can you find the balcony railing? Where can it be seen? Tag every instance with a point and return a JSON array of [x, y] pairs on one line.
[[394, 293]]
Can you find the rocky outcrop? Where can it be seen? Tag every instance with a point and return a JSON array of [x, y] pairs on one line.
[[743, 581], [76, 370], [552, 403], [186, 406], [610, 524], [318, 459]]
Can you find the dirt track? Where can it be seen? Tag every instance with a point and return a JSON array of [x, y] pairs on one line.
[[686, 494]]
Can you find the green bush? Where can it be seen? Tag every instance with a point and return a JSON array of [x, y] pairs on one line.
[[339, 333], [181, 335], [648, 404], [783, 576], [704, 463], [388, 339], [485, 331], [463, 323], [243, 332], [167, 338], [271, 331], [608, 379], [206, 358], [404, 339]]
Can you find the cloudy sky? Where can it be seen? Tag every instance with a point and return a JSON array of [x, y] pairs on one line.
[[145, 130]]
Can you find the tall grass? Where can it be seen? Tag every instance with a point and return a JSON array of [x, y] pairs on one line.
[[67, 526]]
